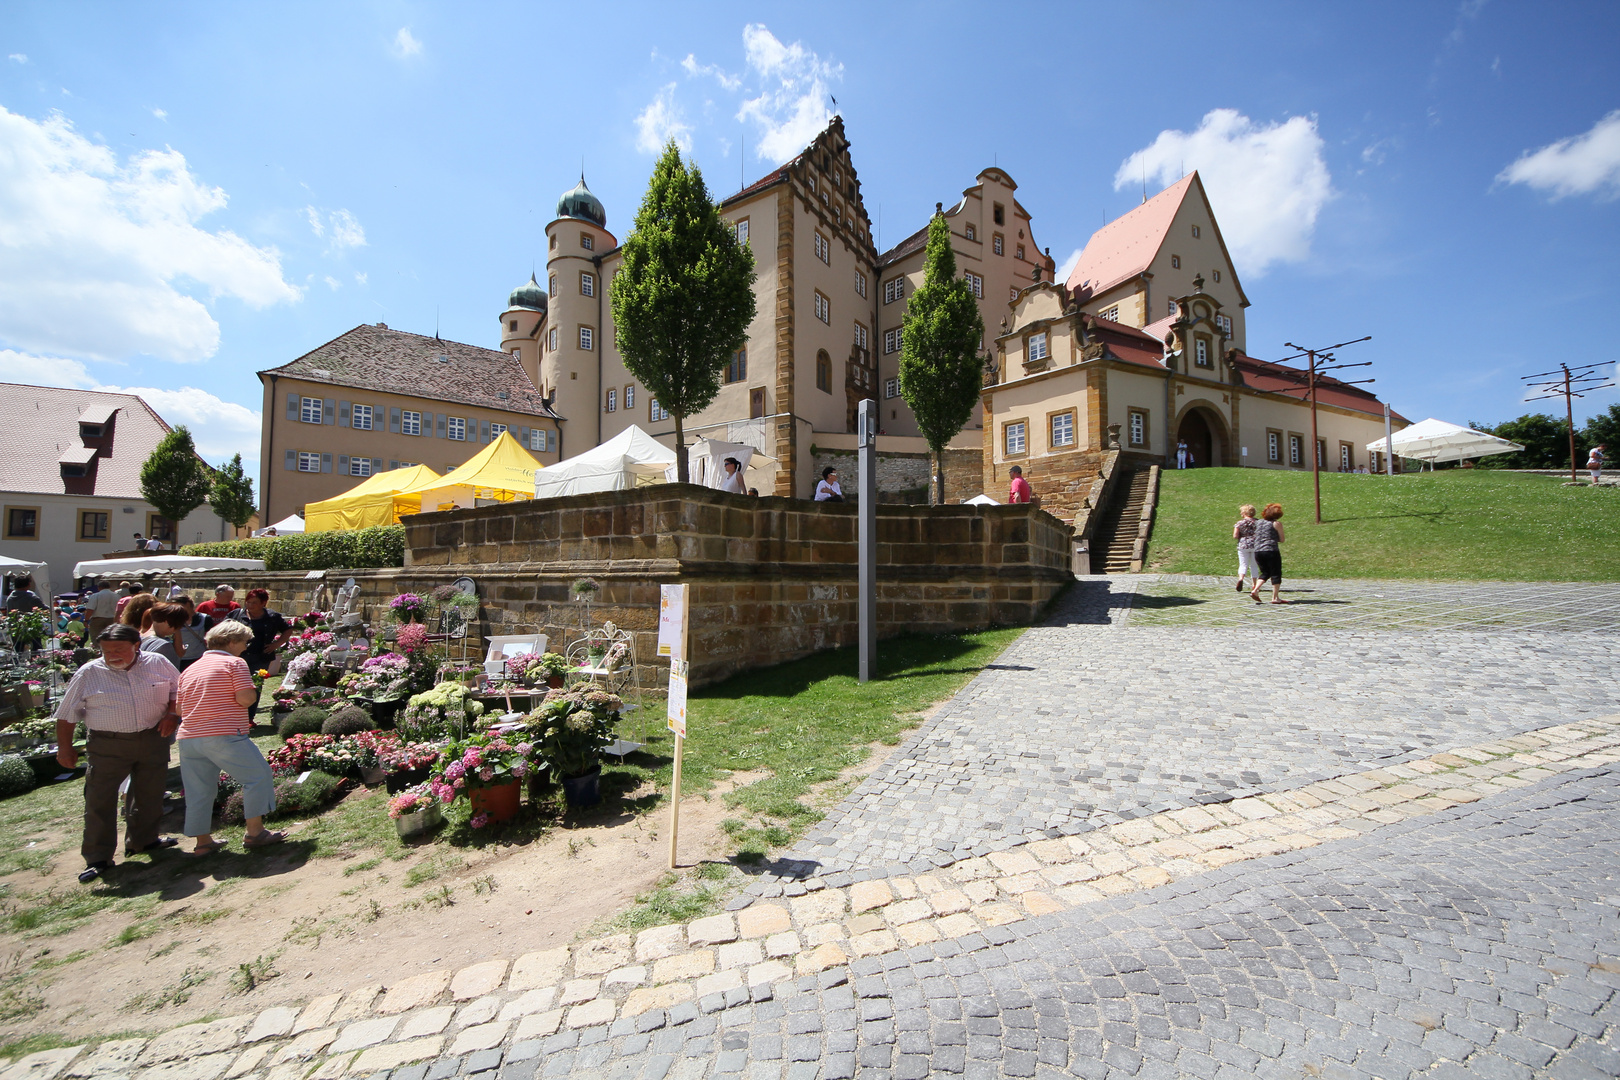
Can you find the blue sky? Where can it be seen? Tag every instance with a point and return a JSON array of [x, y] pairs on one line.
[[191, 194]]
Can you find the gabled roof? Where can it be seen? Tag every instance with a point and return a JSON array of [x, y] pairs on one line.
[[913, 243], [39, 429], [770, 179], [377, 358], [1127, 343], [1293, 383]]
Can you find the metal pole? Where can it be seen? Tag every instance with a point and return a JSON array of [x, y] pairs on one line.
[[1316, 458], [1389, 443], [866, 513], [1569, 413]]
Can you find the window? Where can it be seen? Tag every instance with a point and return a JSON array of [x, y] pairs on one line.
[[551, 285], [587, 241], [308, 462], [410, 423], [1217, 275], [613, 400], [823, 308], [309, 410], [1112, 314], [1321, 453], [629, 396], [1012, 293], [742, 232], [1296, 450], [860, 336], [823, 372], [456, 428], [972, 234], [1201, 353], [538, 441], [1346, 462], [976, 283], [656, 412], [1175, 262], [812, 181], [1137, 427], [553, 342], [511, 324], [756, 403], [1014, 438], [587, 284], [361, 418], [1063, 429], [1020, 252], [891, 388], [1037, 347], [1274, 446], [891, 340], [1172, 307], [998, 245], [359, 466], [587, 338], [823, 249], [1224, 324], [999, 214], [860, 284], [159, 527], [1195, 232], [894, 289], [22, 523], [553, 241]]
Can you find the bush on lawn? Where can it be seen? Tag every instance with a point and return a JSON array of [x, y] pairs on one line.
[[349, 720], [16, 775], [306, 721], [292, 798], [335, 549]]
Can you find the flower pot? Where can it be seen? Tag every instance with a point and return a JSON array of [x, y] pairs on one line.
[[424, 820], [584, 790], [500, 803], [371, 777], [554, 681], [407, 778]]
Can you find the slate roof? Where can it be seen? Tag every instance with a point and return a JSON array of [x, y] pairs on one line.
[[377, 358], [39, 428]]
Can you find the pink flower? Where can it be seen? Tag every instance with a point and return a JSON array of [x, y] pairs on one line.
[[480, 820], [461, 782], [525, 748], [520, 770], [454, 771], [472, 758]]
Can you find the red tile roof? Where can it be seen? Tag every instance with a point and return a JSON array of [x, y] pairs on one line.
[[768, 180], [1126, 246], [1127, 343], [39, 428], [377, 358], [1276, 378]]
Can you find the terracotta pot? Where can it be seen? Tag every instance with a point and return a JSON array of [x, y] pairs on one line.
[[500, 803]]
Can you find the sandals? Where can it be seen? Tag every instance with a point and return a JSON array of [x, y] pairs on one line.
[[1279, 600], [264, 839], [208, 849], [1256, 598]]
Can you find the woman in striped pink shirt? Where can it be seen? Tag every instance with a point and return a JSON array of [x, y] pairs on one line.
[[215, 693]]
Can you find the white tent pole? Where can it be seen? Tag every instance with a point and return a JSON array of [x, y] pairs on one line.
[[1389, 443]]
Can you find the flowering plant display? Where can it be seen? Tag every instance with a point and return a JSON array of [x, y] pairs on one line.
[[488, 760], [293, 757], [552, 664], [386, 677], [314, 618], [301, 667], [411, 801], [348, 753], [572, 728], [446, 710], [258, 679], [316, 641], [408, 757], [323, 697], [408, 607]]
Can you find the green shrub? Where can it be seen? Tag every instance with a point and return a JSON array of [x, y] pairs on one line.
[[306, 721], [16, 775], [348, 720], [292, 798], [335, 549]]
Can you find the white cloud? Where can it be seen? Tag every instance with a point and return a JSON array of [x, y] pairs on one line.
[[1579, 165], [95, 252], [791, 105], [332, 283], [360, 278], [405, 44], [1068, 265], [693, 68], [1266, 183], [343, 226], [161, 114], [317, 224], [21, 58], [662, 121], [20, 367]]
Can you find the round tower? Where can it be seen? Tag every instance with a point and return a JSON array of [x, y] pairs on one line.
[[577, 311], [522, 324]]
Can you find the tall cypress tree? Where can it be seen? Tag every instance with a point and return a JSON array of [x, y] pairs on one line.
[[174, 479], [684, 296], [941, 372]]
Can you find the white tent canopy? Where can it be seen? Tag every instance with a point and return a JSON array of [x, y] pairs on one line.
[[1436, 440], [292, 523], [40, 572], [160, 564], [980, 500], [630, 459], [706, 462]]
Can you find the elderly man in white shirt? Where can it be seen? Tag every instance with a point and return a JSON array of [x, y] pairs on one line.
[[126, 700]]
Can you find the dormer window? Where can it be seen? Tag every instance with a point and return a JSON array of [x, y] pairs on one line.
[[91, 431], [1000, 214], [1175, 262]]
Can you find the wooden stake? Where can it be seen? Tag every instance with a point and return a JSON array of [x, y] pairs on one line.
[[675, 803]]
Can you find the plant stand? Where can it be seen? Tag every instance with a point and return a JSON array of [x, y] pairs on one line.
[[623, 679]]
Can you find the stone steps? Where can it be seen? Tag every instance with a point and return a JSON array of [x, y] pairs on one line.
[[1116, 532]]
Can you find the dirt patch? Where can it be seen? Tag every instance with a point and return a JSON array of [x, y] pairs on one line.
[[334, 924]]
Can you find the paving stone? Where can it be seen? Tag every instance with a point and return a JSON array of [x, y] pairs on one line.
[[427, 1022], [659, 942], [202, 1067], [529, 1003], [196, 1039], [363, 1033], [714, 930], [271, 1024], [356, 1004], [317, 1014], [477, 980], [545, 968], [538, 1026], [305, 1046], [685, 966], [478, 1012], [482, 1037], [395, 1054], [763, 920], [600, 1011], [116, 1058], [414, 992], [43, 1064], [248, 1060]]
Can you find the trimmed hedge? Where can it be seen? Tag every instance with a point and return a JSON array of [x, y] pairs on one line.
[[336, 549]]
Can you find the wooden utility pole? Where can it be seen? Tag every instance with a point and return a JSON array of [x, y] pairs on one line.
[[1312, 371], [1570, 383]]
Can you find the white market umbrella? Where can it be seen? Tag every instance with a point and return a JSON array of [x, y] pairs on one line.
[[292, 523], [1434, 440], [980, 500], [630, 459], [160, 564]]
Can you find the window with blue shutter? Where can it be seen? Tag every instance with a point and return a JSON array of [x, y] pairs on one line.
[[292, 461], [331, 411], [376, 464], [343, 464], [393, 420], [484, 428], [326, 463], [442, 419]]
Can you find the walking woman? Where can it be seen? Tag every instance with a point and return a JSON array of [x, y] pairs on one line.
[[1243, 533], [215, 693], [1268, 535]]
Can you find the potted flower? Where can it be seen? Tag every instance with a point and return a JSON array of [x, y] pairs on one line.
[[571, 731], [489, 770], [415, 811], [409, 608], [361, 753], [551, 667], [382, 683], [447, 710], [408, 764]]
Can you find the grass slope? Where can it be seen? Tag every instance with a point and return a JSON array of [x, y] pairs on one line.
[[1458, 524]]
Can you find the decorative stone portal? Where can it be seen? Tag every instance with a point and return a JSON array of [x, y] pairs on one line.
[[1205, 435]]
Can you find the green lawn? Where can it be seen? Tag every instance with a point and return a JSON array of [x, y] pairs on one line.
[[1457, 524]]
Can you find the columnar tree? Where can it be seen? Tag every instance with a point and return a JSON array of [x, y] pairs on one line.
[[684, 295], [941, 371], [232, 494], [174, 479]]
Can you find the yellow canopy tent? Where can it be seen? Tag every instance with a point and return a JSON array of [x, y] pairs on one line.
[[501, 472], [370, 502]]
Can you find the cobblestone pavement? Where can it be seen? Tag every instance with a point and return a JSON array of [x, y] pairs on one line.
[[1098, 715]]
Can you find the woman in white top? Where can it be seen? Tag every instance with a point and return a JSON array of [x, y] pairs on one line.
[[828, 490], [733, 481]]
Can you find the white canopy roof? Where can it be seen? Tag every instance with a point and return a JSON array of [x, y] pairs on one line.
[[980, 500], [705, 462], [632, 458], [1437, 440], [160, 564], [292, 523], [41, 573]]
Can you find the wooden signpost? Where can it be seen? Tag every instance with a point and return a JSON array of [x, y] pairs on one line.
[[672, 635]]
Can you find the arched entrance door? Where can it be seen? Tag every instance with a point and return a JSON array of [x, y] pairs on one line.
[[1205, 437]]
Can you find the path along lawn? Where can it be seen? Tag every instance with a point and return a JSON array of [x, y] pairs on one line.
[[1456, 524]]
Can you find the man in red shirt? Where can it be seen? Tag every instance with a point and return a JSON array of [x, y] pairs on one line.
[[1019, 491], [219, 607]]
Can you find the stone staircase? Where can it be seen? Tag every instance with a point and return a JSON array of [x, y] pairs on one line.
[[1114, 548]]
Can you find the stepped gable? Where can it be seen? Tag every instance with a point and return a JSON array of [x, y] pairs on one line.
[[373, 357], [1266, 376]]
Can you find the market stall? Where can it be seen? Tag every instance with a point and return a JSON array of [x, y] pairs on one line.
[[370, 502], [630, 459], [501, 472]]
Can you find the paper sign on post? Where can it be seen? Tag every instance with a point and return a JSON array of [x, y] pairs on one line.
[[677, 697], [672, 621]]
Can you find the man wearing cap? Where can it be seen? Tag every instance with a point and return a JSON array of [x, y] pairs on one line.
[[1018, 491], [126, 700], [733, 481]]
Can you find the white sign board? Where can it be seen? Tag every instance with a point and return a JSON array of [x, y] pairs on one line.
[[677, 697], [672, 621]]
